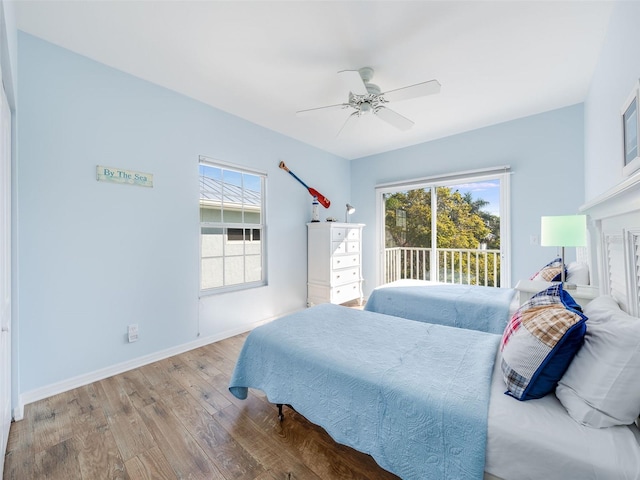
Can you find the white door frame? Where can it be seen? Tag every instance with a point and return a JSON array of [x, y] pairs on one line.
[[5, 273], [502, 173]]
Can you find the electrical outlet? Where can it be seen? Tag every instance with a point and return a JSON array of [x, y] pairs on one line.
[[132, 332]]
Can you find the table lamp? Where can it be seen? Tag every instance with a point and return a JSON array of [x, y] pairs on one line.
[[564, 231], [350, 210]]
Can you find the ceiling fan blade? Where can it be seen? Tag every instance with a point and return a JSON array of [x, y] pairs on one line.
[[412, 91], [394, 119], [353, 81], [328, 108], [348, 123]]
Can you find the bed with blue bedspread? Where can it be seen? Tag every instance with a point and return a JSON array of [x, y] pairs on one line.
[[416, 400], [487, 309]]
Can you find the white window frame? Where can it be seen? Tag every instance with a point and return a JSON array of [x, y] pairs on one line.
[[234, 225], [501, 173]]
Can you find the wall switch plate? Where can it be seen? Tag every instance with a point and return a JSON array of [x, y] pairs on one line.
[[132, 332]]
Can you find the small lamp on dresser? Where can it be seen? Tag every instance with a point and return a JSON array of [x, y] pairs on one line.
[[350, 210]]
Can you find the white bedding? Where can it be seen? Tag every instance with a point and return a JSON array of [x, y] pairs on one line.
[[537, 439]]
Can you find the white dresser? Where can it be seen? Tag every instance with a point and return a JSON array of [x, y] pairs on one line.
[[334, 270]]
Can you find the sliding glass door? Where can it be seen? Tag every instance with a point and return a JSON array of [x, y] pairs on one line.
[[450, 230]]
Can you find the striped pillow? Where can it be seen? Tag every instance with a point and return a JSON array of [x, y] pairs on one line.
[[540, 341]]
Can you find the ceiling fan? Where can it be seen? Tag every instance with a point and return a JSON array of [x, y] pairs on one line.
[[366, 98]]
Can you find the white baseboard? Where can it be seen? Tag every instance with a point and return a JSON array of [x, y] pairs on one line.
[[87, 378]]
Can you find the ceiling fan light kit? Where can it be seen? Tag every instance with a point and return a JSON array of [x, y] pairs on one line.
[[366, 98]]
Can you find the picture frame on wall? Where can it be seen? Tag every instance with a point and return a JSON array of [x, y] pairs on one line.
[[631, 132]]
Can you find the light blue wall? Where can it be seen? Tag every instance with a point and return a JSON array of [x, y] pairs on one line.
[[95, 256], [616, 73], [545, 153]]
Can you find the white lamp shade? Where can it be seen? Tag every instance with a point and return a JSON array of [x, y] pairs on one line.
[[564, 231]]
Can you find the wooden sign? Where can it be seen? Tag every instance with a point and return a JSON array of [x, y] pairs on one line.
[[118, 175]]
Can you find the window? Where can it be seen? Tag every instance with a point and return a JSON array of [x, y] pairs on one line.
[[450, 229], [232, 253]]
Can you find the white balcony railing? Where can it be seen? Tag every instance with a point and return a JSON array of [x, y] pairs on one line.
[[453, 265]]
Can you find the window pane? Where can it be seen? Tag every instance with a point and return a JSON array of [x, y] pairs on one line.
[[252, 215], [252, 198], [209, 214], [210, 179], [212, 242], [253, 268], [252, 248], [211, 273], [235, 234], [231, 196], [408, 218], [232, 214], [234, 270]]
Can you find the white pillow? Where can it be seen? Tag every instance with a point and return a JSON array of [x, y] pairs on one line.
[[578, 273], [601, 387]]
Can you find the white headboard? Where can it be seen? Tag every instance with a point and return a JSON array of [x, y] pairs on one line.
[[614, 228]]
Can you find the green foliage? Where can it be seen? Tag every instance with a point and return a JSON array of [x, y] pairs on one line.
[[461, 224]]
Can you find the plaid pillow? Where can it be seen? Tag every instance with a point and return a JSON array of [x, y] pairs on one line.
[[551, 272], [540, 341]]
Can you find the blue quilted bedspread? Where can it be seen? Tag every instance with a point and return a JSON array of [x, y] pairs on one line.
[[473, 307], [413, 395]]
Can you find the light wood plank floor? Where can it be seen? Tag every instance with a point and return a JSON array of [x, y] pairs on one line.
[[175, 419]]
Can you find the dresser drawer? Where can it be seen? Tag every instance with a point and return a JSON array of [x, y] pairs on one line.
[[344, 293], [353, 247], [345, 247], [353, 234], [338, 234], [338, 247], [345, 261], [338, 277]]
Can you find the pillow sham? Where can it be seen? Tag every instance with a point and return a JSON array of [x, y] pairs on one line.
[[601, 387], [578, 273], [540, 341], [551, 272]]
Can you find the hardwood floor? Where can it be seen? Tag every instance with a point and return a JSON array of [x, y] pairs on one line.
[[175, 419]]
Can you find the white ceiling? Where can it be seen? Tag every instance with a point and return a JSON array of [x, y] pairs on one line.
[[264, 60]]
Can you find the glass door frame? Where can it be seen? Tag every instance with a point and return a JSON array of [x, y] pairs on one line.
[[502, 174]]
